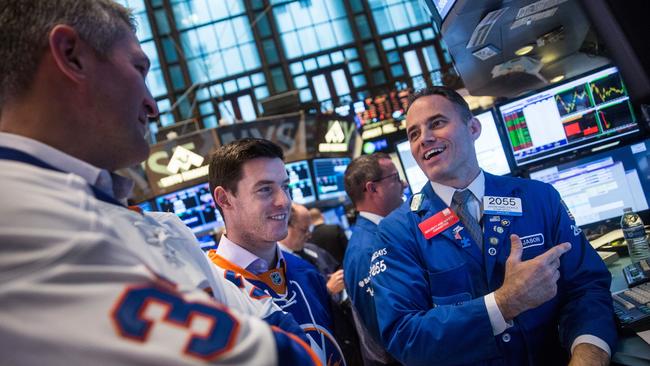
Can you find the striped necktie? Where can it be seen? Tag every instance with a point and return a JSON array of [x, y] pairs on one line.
[[459, 203]]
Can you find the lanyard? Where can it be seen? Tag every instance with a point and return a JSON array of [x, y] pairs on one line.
[[19, 156]]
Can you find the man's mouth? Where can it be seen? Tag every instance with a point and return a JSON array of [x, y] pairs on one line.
[[280, 217], [433, 152]]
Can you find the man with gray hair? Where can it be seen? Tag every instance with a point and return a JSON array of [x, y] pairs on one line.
[[82, 278]]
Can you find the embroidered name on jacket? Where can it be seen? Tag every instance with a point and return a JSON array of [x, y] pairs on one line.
[[534, 240]]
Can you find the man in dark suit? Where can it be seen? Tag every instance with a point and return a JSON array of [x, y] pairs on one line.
[[329, 237]]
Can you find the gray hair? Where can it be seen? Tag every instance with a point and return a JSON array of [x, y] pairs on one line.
[[362, 170], [26, 24]]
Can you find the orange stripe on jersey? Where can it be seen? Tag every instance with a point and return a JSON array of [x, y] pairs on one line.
[[275, 278], [302, 344]]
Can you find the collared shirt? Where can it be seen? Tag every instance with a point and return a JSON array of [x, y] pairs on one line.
[[477, 187], [374, 218], [243, 258], [114, 185]]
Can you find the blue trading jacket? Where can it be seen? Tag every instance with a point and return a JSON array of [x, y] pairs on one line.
[[356, 265], [430, 292]]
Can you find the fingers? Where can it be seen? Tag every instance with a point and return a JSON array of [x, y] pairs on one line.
[[516, 249], [555, 253]]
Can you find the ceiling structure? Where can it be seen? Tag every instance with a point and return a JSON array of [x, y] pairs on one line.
[[483, 36]]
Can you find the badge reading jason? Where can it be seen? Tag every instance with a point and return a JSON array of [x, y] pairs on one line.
[[438, 223], [506, 206]]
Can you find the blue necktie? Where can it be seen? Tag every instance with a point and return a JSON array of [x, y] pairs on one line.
[[459, 203]]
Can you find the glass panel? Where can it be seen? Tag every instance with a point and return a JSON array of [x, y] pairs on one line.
[[358, 80], [305, 95], [230, 86], [206, 108], [415, 37], [337, 57], [249, 55], [323, 61], [278, 80], [354, 67], [296, 68], [177, 77], [308, 40], [402, 40], [362, 25], [246, 108], [270, 51], [258, 78], [340, 82], [291, 45], [210, 122], [226, 112], [310, 64], [300, 81], [342, 31], [300, 14], [197, 70], [431, 58], [397, 70], [321, 88], [233, 61], [412, 63], [325, 35], [371, 55], [244, 82], [378, 77], [261, 92]]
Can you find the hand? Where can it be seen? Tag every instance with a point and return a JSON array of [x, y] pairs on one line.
[[589, 355], [335, 282], [531, 283]]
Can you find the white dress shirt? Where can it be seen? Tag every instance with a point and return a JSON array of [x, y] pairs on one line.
[[243, 258]]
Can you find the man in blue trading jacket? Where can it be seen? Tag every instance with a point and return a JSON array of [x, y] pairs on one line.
[[473, 269], [374, 186]]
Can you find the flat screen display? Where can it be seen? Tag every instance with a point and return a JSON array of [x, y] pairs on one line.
[[301, 187], [328, 174], [600, 186], [194, 206], [578, 113], [489, 148], [414, 175]]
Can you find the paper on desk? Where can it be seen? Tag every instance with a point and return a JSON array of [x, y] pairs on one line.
[[645, 335]]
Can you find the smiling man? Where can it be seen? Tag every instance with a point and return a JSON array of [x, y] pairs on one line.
[[84, 279], [250, 187], [472, 269]]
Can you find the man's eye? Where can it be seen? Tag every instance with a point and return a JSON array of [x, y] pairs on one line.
[[413, 135], [265, 190]]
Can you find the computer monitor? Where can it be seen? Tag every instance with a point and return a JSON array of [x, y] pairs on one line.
[[328, 174], [301, 186], [146, 206], [578, 113], [194, 206], [598, 187], [489, 148], [414, 175]]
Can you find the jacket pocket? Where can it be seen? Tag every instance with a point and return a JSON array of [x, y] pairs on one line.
[[450, 286]]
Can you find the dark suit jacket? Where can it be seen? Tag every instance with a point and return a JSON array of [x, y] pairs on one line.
[[331, 238]]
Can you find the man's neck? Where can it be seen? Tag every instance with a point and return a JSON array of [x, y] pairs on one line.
[[263, 250]]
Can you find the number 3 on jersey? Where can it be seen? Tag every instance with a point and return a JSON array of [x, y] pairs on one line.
[[140, 311]]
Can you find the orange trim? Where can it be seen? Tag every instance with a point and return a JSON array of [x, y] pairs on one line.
[[226, 264], [300, 342]]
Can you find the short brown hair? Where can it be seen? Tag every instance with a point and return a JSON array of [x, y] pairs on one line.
[[361, 170], [449, 94], [227, 161]]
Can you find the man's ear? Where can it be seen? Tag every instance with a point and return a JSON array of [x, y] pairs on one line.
[[220, 196], [475, 127], [370, 187], [69, 51]]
